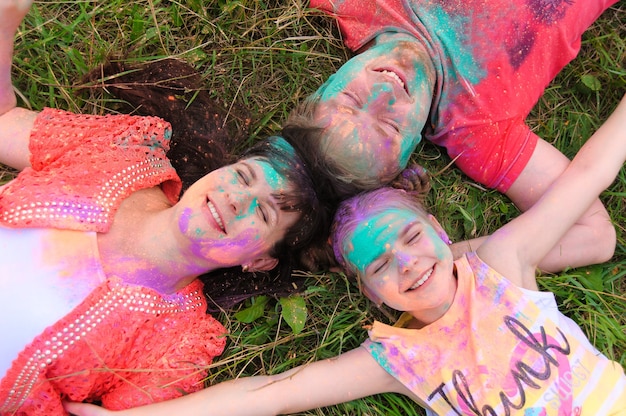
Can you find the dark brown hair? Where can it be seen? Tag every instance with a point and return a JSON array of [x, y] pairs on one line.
[[204, 139]]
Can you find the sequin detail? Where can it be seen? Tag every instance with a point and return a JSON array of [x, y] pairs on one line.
[[110, 195], [124, 345], [84, 166], [119, 296], [110, 301]]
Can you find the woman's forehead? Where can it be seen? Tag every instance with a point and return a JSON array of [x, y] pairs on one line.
[[266, 171]]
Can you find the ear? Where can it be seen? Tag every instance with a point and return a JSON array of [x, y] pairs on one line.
[[442, 233], [262, 264]]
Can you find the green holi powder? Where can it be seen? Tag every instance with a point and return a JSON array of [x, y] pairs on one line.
[[333, 86], [420, 84], [377, 90], [338, 82], [253, 205], [282, 144], [380, 355], [385, 48], [274, 179], [372, 237], [450, 30], [359, 248], [406, 150], [279, 165]]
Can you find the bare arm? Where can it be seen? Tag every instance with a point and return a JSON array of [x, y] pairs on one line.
[[349, 376], [15, 123], [516, 248], [15, 128], [590, 240]]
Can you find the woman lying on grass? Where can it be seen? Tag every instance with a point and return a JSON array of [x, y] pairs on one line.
[[100, 252], [480, 338]]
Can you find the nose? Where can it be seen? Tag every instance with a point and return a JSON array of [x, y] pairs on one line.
[[381, 96], [240, 201], [404, 262]]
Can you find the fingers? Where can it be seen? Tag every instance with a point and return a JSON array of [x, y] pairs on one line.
[[85, 409]]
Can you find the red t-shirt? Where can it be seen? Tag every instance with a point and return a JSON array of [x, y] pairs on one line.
[[493, 59]]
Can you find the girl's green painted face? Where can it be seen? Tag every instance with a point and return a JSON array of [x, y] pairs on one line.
[[402, 260], [375, 107]]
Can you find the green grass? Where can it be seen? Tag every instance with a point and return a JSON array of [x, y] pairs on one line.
[[267, 56]]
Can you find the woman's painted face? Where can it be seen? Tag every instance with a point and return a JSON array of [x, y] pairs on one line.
[[375, 107], [403, 261], [231, 217]]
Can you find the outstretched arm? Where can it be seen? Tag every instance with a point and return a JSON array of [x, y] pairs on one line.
[[15, 123], [349, 376], [590, 240], [516, 248]]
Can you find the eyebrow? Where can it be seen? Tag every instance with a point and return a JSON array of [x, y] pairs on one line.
[[251, 170], [271, 202], [405, 230]]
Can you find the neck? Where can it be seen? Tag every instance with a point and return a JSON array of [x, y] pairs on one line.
[[142, 246], [427, 316]]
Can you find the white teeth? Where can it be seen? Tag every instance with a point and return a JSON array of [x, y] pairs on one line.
[[217, 218], [394, 76], [422, 280]]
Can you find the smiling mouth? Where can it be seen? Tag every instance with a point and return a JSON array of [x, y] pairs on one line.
[[216, 216], [393, 75], [422, 280]]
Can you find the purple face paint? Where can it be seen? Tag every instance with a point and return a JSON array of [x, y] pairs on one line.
[[183, 222]]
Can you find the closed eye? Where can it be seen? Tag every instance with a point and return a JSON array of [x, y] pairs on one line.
[[390, 124], [242, 177], [413, 237], [411, 233], [262, 211], [352, 98], [381, 267], [377, 266]]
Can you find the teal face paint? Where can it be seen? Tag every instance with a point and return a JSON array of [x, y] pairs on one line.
[[281, 156], [372, 237], [338, 82], [380, 90], [274, 179], [421, 91], [376, 106], [283, 145], [254, 203]]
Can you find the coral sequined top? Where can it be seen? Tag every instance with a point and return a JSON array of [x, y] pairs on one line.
[[85, 336]]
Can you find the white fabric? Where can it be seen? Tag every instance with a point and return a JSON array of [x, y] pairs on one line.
[[41, 281]]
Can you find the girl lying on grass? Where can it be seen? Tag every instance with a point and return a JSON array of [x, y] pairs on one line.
[[481, 338]]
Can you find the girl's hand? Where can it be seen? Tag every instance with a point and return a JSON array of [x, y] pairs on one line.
[[84, 409]]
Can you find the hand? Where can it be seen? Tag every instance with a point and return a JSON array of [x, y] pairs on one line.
[[85, 409], [13, 11]]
